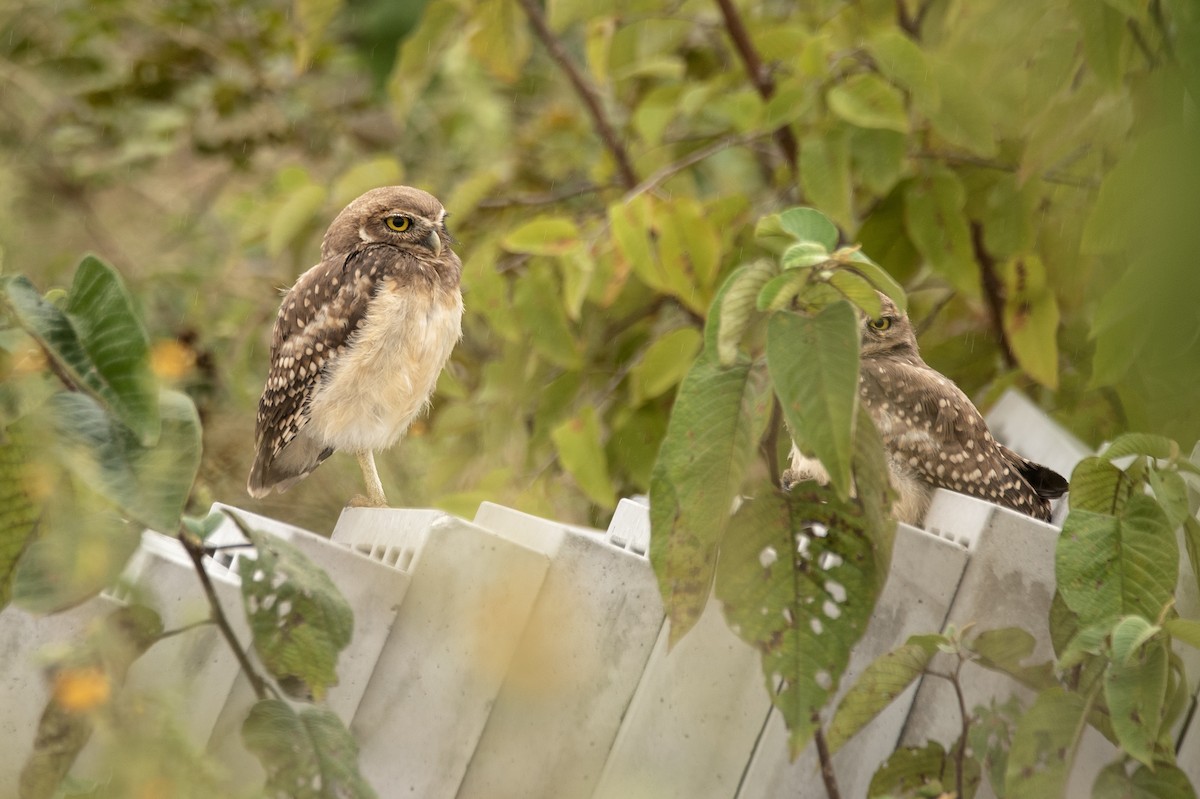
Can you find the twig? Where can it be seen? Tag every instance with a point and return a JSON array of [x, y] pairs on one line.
[[827, 775], [584, 89], [960, 756], [545, 198], [993, 293], [185, 628], [759, 75], [691, 159], [195, 549]]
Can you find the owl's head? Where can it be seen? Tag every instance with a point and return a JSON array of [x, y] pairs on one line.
[[888, 334], [400, 215]]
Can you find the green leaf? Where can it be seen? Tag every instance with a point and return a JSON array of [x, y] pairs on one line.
[[1159, 447], [878, 157], [923, 771], [581, 453], [798, 580], [298, 618], [736, 303], [880, 279], [543, 235], [382, 171], [664, 363], [202, 528], [1161, 781], [312, 17], [868, 101], [1100, 486], [879, 685], [804, 255], [902, 60], [1185, 630], [825, 172], [537, 299], [780, 291], [307, 755], [937, 225], [18, 513], [1030, 319], [1171, 491], [150, 484], [97, 343], [1110, 566], [1135, 686], [814, 365], [858, 290], [1044, 745], [961, 116], [1003, 650], [687, 242], [718, 417], [500, 39], [810, 225], [293, 217]]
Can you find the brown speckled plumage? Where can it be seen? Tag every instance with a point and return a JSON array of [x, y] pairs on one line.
[[360, 339], [933, 434]]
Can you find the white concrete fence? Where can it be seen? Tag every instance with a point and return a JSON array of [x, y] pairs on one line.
[[513, 656]]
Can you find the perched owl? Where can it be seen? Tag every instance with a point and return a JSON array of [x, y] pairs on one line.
[[933, 435], [360, 340]]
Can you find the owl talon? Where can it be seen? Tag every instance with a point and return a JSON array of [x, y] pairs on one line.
[[360, 501]]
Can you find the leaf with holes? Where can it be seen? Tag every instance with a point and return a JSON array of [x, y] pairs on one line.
[[1162, 781], [798, 580], [923, 771], [1110, 566], [718, 418], [814, 364], [879, 685], [299, 619], [1044, 744], [96, 343], [1135, 686], [307, 755]]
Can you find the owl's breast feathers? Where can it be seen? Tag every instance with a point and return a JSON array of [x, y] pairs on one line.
[[356, 350], [931, 428]]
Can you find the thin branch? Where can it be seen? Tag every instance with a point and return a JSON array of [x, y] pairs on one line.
[[185, 628], [691, 159], [993, 292], [827, 775], [195, 549], [545, 198], [906, 21], [960, 756], [759, 75], [584, 89]]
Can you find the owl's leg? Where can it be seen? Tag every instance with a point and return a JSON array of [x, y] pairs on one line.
[[375, 497]]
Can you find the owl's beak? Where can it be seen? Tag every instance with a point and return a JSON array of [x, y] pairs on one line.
[[434, 242]]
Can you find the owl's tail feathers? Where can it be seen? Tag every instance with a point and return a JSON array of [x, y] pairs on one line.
[[280, 471], [1048, 483]]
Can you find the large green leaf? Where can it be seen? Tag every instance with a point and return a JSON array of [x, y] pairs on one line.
[[809, 225], [543, 235], [150, 484], [299, 619], [814, 364], [1110, 566], [664, 363], [798, 580], [718, 418], [911, 772], [825, 170], [879, 684], [1044, 745], [937, 225], [97, 343], [307, 754], [1100, 486], [1160, 781], [1135, 686], [1030, 318]]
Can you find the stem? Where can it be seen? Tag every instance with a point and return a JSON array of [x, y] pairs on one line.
[[960, 756], [759, 75], [584, 89], [185, 628], [692, 158], [770, 442], [993, 292], [827, 775], [195, 549]]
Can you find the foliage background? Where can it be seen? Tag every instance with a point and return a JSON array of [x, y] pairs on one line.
[[1026, 170]]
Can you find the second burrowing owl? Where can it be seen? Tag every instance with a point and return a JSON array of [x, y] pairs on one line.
[[933, 435], [360, 340]]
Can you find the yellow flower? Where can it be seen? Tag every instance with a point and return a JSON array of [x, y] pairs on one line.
[[81, 689]]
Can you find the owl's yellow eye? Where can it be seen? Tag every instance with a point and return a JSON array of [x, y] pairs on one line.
[[398, 223], [881, 324]]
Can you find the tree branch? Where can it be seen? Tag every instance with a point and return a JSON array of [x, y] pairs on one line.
[[827, 775], [584, 89], [691, 159], [195, 549], [960, 756], [993, 292], [759, 75]]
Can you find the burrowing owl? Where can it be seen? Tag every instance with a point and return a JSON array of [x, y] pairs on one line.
[[360, 340], [933, 435]]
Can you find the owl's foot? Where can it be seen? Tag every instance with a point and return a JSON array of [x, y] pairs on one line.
[[788, 479], [360, 501]]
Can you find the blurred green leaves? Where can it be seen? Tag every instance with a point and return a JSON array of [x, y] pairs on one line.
[[308, 754]]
